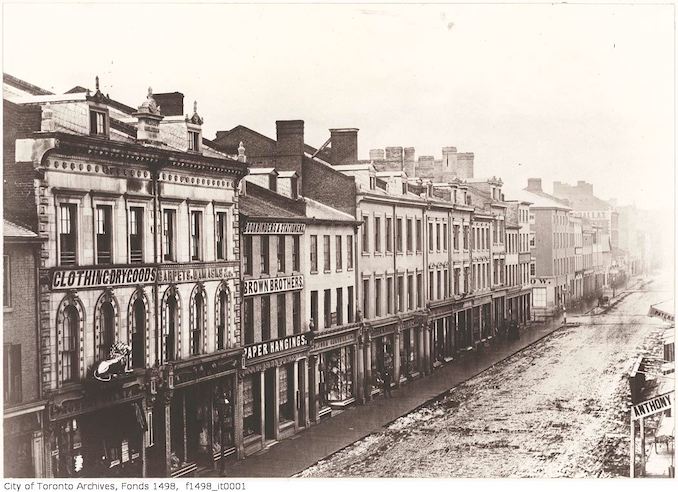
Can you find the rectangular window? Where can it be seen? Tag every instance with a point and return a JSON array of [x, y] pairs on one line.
[[104, 234], [247, 254], [296, 312], [326, 253], [410, 292], [314, 309], [430, 236], [295, 253], [440, 285], [340, 306], [328, 308], [401, 294], [366, 299], [420, 290], [194, 141], [350, 309], [281, 253], [136, 234], [418, 235], [437, 237], [377, 234], [168, 234], [282, 315], [365, 238], [466, 235], [399, 235], [196, 235], [6, 282], [389, 235], [314, 253], [222, 234], [430, 285], [408, 235], [446, 283], [12, 373], [456, 281], [264, 254], [444, 237], [68, 226], [248, 317], [97, 123], [377, 297], [455, 237], [349, 252], [265, 318], [338, 253], [389, 295]]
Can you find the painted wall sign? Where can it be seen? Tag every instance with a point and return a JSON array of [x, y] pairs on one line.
[[273, 228], [653, 405], [274, 346], [101, 277], [271, 285], [189, 273]]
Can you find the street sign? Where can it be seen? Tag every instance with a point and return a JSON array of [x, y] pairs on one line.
[[652, 406]]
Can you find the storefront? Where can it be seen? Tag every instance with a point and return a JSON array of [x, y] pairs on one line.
[[443, 339], [380, 354], [23, 436], [275, 390], [463, 328]]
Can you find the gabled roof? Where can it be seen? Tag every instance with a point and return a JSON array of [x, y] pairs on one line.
[[538, 199], [23, 85], [10, 229], [256, 207]]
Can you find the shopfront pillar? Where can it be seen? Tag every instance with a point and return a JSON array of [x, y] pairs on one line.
[[276, 403], [168, 436], [38, 457], [313, 388], [396, 356], [263, 404], [421, 348], [368, 370], [358, 382], [144, 442], [183, 421], [237, 418], [305, 392]]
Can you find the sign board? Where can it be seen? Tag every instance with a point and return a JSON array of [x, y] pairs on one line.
[[270, 347], [271, 285], [273, 228], [652, 406], [189, 273], [101, 277]]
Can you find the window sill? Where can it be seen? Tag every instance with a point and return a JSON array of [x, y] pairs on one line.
[[365, 253], [7, 309], [314, 272], [327, 271]]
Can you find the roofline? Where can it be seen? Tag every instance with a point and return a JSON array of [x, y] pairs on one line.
[[16, 81]]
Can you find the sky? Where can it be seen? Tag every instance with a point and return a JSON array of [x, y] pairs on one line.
[[561, 92]]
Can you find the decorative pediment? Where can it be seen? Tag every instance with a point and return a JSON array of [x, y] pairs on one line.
[[195, 119]]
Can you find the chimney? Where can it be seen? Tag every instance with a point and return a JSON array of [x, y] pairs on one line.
[[377, 154], [344, 145], [534, 184], [408, 165], [395, 153], [170, 103], [289, 149], [148, 118]]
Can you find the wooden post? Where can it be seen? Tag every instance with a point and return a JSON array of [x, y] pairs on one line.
[[168, 438], [642, 447], [632, 450]]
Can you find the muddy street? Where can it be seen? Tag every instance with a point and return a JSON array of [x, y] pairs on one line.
[[556, 409]]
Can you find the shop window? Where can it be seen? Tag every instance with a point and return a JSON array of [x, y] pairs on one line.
[[66, 440], [6, 282], [336, 375], [377, 234], [377, 297], [107, 330], [328, 308], [326, 254], [196, 235], [389, 235], [168, 234], [247, 255], [104, 233], [69, 353], [136, 234], [68, 225], [222, 235], [251, 405], [222, 326], [296, 312], [338, 253], [139, 334], [295, 253], [314, 254], [265, 318], [282, 315], [349, 252], [365, 236], [314, 309], [248, 319], [408, 352], [281, 253], [340, 306], [349, 307], [11, 373], [264, 254], [539, 297], [286, 393], [172, 323]]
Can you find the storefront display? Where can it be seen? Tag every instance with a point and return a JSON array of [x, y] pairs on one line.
[[251, 405], [336, 375], [286, 393], [381, 354], [443, 339], [408, 353]]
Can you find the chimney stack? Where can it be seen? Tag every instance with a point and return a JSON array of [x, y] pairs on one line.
[[377, 154], [289, 149], [408, 161], [534, 184], [170, 103], [148, 119], [344, 145]]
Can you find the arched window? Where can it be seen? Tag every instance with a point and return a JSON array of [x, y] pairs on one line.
[[172, 323], [222, 325], [107, 327], [198, 323], [139, 334], [69, 345]]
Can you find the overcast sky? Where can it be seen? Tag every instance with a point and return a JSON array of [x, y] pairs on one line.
[[561, 92]]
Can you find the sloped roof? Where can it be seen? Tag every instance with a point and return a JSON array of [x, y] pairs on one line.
[[537, 199], [256, 207], [10, 229]]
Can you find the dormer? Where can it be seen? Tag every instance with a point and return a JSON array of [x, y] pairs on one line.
[[396, 182], [182, 132], [194, 127], [288, 184], [98, 112], [266, 177]]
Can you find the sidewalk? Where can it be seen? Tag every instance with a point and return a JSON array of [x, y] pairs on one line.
[[297, 453]]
